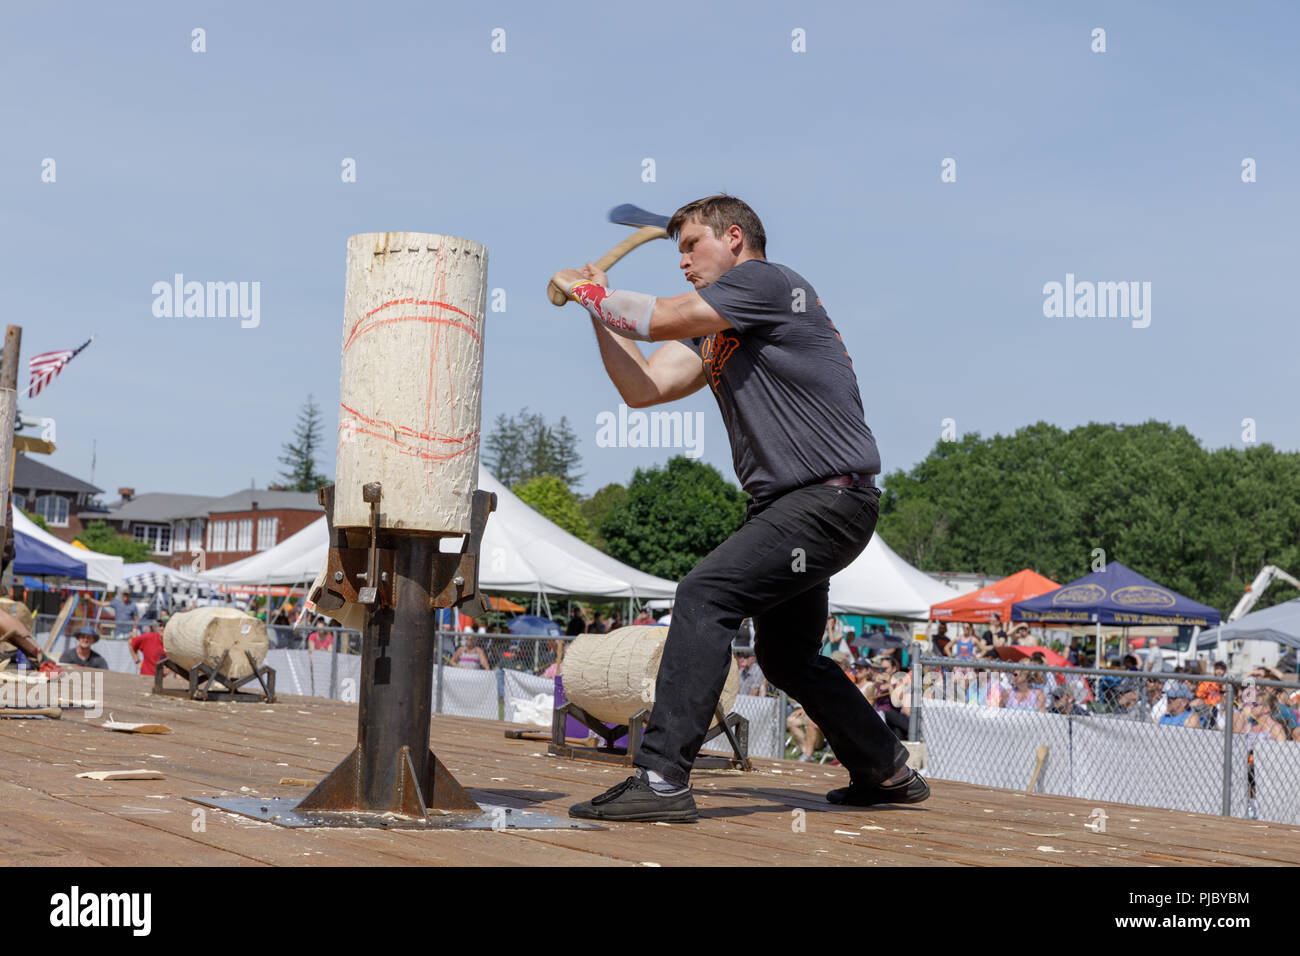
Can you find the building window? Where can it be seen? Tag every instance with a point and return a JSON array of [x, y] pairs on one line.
[[218, 543], [196, 535], [20, 502], [245, 534], [53, 509], [157, 536], [266, 531], [179, 542]]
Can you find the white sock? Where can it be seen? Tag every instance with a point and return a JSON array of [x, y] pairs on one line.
[[659, 785]]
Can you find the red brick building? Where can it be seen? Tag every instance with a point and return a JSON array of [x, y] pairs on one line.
[[242, 524], [188, 530]]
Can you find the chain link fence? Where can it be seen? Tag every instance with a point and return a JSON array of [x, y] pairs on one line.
[[1183, 741]]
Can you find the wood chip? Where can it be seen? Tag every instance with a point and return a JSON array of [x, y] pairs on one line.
[[136, 728], [122, 775]]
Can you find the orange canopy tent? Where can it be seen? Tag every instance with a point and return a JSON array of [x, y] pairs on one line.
[[996, 598], [502, 604]]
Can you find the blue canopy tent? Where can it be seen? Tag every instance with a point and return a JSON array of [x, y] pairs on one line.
[[1115, 595], [38, 558]]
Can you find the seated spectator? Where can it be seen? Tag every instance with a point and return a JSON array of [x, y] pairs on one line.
[[319, 639], [1021, 637], [1024, 695], [82, 653], [892, 694], [1255, 715], [1062, 702], [1178, 711], [1283, 713], [644, 618], [1211, 692], [862, 675], [1043, 680], [994, 684], [1127, 702], [807, 735], [577, 623], [1155, 699], [1108, 687], [470, 656], [752, 682]]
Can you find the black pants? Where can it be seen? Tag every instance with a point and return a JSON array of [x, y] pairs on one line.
[[777, 569]]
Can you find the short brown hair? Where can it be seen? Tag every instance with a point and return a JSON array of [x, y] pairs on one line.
[[720, 213]]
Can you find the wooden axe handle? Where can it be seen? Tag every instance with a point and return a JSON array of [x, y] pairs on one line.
[[30, 712], [65, 612], [643, 235], [1041, 755]]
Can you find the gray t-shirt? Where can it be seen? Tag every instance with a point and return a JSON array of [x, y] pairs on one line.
[[784, 383]]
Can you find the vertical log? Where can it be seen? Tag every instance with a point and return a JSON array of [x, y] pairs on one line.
[[411, 380]]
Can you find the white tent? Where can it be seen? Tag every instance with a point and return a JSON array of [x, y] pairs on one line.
[[103, 569], [521, 551], [881, 583]]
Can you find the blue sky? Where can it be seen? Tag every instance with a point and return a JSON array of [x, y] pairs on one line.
[[225, 166]]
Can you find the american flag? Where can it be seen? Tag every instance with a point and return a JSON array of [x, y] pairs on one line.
[[47, 366]]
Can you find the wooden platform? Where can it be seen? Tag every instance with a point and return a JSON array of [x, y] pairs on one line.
[[775, 816]]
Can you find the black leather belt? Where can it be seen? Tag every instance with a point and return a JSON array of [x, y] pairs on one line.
[[852, 480]]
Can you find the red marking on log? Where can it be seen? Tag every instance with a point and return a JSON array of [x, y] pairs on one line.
[[410, 432], [361, 328]]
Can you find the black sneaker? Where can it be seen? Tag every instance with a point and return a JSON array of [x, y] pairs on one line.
[[635, 801], [912, 790]]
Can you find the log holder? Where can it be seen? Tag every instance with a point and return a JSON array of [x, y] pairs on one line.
[[392, 779]]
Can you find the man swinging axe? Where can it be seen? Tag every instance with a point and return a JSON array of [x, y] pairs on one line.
[[756, 333]]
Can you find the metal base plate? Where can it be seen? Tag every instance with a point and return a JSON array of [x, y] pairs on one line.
[[282, 811]]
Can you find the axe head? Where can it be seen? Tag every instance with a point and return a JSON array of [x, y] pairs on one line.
[[629, 215]]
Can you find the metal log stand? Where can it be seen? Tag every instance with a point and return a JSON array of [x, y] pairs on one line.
[[392, 779], [734, 726], [202, 676]]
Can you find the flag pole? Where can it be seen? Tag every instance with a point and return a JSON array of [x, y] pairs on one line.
[[8, 411]]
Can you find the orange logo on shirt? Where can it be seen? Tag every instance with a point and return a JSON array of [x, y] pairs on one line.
[[715, 352]]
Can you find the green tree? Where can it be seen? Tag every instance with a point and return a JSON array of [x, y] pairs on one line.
[[300, 454], [672, 516], [548, 496], [598, 507], [1202, 523], [97, 536], [525, 446], [36, 519]]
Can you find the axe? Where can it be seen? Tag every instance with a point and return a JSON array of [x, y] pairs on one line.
[[651, 227]]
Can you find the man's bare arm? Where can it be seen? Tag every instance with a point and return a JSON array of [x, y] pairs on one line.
[[684, 316], [672, 371]]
